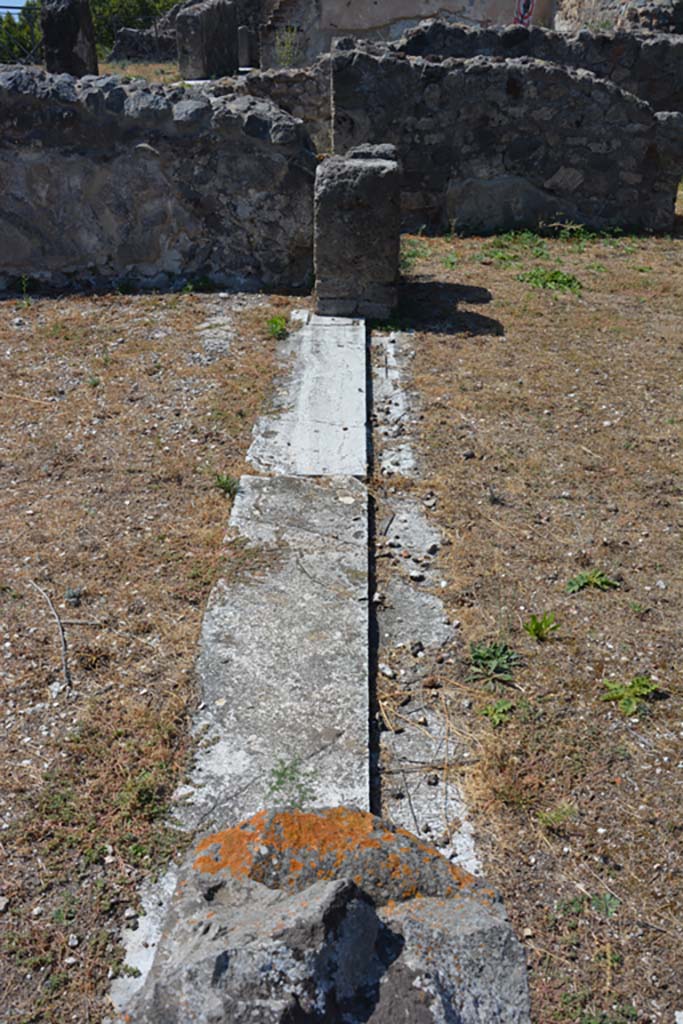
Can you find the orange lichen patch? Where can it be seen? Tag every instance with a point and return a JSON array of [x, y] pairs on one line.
[[231, 849], [288, 849]]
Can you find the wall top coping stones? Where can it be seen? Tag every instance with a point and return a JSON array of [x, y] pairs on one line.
[[484, 64], [434, 32], [168, 110]]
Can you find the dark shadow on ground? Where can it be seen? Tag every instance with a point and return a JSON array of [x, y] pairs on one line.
[[434, 306]]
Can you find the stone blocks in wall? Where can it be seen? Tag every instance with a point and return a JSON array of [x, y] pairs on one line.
[[649, 66], [108, 181], [357, 233], [489, 144], [206, 35], [68, 37]]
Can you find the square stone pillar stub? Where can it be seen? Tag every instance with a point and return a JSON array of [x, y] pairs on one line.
[[357, 233], [206, 35]]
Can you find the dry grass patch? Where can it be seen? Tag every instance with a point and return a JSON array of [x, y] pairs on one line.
[[549, 374], [156, 73], [122, 419]]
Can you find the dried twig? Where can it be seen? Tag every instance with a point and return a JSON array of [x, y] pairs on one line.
[[62, 634]]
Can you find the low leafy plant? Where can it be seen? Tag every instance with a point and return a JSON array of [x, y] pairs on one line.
[[498, 712], [411, 252], [291, 784], [492, 663], [226, 483], [512, 247], [541, 628], [594, 578], [630, 697], [450, 261], [552, 280], [555, 819], [277, 327], [605, 904]]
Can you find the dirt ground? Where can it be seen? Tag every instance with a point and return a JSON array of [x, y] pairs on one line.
[[549, 374], [550, 438], [124, 424]]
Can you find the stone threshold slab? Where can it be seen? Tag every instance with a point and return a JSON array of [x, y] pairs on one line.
[[320, 428], [283, 657]]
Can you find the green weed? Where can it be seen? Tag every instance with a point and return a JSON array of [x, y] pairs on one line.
[[288, 48], [450, 261], [226, 483], [277, 328], [630, 697], [144, 794], [411, 252], [492, 663], [552, 280], [291, 784], [541, 629], [605, 904], [555, 819], [512, 247], [594, 578], [499, 712]]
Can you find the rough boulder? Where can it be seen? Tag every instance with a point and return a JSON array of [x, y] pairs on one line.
[[331, 916]]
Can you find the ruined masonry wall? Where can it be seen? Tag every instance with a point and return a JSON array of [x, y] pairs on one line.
[[488, 144], [302, 92], [320, 21], [107, 180], [650, 66]]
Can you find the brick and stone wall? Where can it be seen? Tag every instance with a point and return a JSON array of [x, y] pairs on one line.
[[648, 65], [107, 180], [489, 144]]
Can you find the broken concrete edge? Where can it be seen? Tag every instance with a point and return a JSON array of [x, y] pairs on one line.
[[329, 908]]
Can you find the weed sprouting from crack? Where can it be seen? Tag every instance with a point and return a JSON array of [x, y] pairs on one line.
[[291, 784]]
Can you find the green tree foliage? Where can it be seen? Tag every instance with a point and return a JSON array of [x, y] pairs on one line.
[[111, 15], [20, 37]]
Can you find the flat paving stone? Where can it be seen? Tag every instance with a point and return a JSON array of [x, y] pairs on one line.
[[283, 657], [321, 426]]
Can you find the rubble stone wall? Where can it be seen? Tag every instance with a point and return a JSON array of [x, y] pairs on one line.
[[302, 92], [106, 181], [489, 144], [648, 65]]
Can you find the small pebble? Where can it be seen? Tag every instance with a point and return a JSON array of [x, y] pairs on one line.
[[4, 904], [387, 671], [72, 941]]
